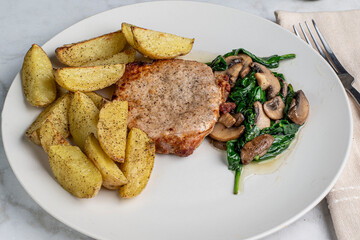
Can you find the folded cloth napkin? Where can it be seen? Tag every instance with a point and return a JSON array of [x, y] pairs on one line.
[[342, 32]]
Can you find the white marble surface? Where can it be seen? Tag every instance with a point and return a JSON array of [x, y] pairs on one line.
[[25, 22]]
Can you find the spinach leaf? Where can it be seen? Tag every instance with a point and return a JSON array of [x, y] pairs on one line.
[[280, 144], [280, 75], [290, 95], [270, 62], [257, 94], [283, 127], [218, 64], [234, 161]]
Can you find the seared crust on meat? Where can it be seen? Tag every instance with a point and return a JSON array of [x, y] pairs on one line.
[[176, 102]]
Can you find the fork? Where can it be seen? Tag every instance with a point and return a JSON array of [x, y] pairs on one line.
[[345, 78]]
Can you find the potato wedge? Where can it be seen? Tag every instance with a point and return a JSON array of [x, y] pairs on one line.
[[49, 136], [97, 99], [83, 118], [112, 129], [57, 114], [126, 56], [112, 176], [88, 79], [104, 46], [138, 164], [126, 30], [74, 171], [37, 78], [159, 45]]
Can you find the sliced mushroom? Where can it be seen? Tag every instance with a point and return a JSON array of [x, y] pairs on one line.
[[235, 65], [299, 108], [284, 87], [238, 65], [239, 119], [266, 80], [227, 120], [274, 108], [219, 145], [258, 146], [246, 62], [224, 134], [261, 120]]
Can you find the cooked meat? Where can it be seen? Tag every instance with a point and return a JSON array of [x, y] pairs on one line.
[[176, 102]]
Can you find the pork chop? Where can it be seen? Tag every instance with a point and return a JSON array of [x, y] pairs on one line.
[[176, 102]]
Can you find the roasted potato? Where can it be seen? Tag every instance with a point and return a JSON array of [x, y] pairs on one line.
[[87, 79], [159, 45], [49, 136], [138, 164], [37, 78], [74, 171], [112, 129], [126, 56], [126, 30], [80, 53], [97, 99], [112, 176], [57, 114], [83, 118]]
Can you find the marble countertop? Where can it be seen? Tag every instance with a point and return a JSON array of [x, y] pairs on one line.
[[25, 22]]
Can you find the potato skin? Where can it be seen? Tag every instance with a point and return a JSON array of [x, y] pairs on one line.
[[112, 176], [138, 164], [49, 136], [74, 171], [97, 99], [126, 56], [159, 45], [81, 53], [126, 30], [88, 79], [37, 77], [57, 114], [83, 118], [112, 129]]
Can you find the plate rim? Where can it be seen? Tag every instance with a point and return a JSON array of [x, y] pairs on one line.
[[257, 236]]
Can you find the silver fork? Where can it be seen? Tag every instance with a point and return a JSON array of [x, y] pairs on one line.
[[346, 79]]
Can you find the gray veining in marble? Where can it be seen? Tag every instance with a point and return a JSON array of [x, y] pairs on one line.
[[25, 22]]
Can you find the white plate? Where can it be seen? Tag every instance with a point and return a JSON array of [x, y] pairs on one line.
[[191, 198]]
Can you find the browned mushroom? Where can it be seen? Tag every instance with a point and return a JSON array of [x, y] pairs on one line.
[[266, 80], [239, 119], [224, 134], [246, 62], [284, 88], [227, 120], [258, 146], [219, 145], [261, 120], [299, 108], [274, 108], [238, 65]]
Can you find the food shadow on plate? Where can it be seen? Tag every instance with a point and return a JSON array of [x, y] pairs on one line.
[[220, 152], [38, 152]]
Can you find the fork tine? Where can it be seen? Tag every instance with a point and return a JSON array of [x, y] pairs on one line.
[[306, 38], [296, 32], [316, 43], [336, 62]]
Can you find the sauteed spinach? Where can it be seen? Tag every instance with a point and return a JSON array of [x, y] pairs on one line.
[[244, 93]]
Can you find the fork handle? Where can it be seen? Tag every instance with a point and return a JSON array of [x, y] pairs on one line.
[[355, 94]]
